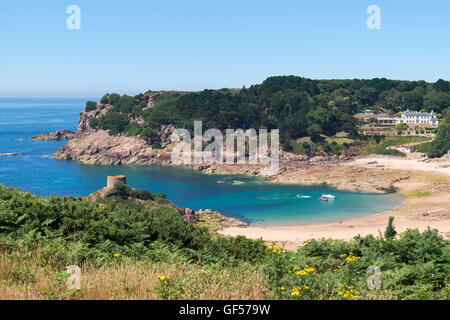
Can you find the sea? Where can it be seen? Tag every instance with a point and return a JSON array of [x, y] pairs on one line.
[[249, 199]]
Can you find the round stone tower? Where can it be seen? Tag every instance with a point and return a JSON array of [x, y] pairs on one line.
[[111, 180]]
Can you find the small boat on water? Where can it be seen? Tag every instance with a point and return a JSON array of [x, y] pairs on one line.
[[301, 196], [323, 199], [328, 196]]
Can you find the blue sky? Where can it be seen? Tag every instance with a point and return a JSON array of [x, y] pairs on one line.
[[135, 45]]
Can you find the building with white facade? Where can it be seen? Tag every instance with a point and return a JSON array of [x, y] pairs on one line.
[[411, 118]]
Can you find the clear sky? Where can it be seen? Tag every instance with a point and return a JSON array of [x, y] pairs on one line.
[[136, 45]]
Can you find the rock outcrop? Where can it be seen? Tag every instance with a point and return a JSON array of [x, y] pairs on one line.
[[98, 147], [59, 135]]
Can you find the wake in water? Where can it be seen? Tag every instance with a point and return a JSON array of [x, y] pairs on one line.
[[281, 196]]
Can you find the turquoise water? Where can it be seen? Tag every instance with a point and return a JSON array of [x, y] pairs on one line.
[[254, 201]]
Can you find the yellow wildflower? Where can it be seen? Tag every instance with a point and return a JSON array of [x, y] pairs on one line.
[[295, 293], [301, 273]]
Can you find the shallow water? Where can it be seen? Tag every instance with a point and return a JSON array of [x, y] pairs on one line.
[[255, 201]]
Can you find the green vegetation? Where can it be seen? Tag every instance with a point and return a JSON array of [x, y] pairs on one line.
[[441, 144], [380, 144], [390, 232], [123, 191], [90, 105], [79, 231], [133, 129], [418, 194], [423, 147], [115, 122], [142, 249], [401, 126], [413, 266], [299, 107]]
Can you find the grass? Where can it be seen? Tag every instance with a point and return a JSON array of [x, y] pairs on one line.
[[424, 147], [381, 148], [397, 140], [418, 194], [24, 278], [340, 140]]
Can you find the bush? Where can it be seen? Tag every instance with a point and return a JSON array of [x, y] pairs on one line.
[[401, 126], [133, 129], [120, 190], [114, 122], [441, 145], [90, 105], [390, 232], [104, 99], [70, 230], [413, 266], [113, 99]]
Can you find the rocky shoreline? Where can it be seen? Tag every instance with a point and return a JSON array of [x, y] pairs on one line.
[[97, 147], [213, 220]]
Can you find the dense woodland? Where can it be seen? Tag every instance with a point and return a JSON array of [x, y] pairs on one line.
[[134, 244], [299, 107]]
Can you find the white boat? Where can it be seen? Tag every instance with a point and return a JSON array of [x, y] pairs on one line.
[[328, 196], [301, 196]]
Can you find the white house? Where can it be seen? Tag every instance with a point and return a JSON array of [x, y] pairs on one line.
[[411, 117], [414, 117]]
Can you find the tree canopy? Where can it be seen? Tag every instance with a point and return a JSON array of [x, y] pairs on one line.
[[297, 106]]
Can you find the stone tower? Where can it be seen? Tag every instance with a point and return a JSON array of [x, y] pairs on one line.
[[111, 180]]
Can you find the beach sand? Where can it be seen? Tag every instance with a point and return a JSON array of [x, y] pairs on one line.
[[425, 185]]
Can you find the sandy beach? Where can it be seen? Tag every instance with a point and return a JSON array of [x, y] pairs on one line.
[[425, 184]]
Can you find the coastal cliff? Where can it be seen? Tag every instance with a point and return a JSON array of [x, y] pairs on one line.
[[97, 146]]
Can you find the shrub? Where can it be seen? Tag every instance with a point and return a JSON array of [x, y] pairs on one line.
[[113, 99], [70, 230], [104, 99], [133, 129], [90, 105], [114, 122], [390, 232]]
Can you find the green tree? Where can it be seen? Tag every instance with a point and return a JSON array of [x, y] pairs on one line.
[[401, 126], [390, 232], [90, 105]]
